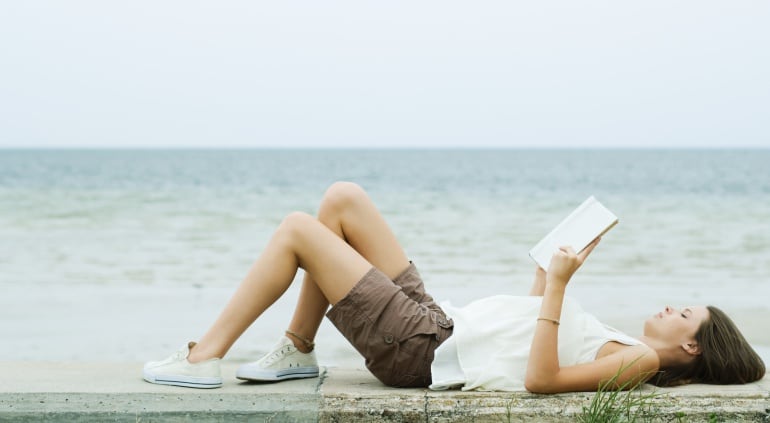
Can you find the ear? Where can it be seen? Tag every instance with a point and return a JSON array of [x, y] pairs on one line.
[[691, 347]]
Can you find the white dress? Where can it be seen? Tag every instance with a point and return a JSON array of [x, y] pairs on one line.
[[489, 347]]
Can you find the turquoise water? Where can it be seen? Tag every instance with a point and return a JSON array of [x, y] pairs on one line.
[[694, 225]]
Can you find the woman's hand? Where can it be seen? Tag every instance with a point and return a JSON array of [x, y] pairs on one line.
[[565, 263]]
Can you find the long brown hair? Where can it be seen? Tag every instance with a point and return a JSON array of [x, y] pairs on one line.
[[726, 357]]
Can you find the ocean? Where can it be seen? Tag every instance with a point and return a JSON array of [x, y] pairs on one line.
[[123, 255]]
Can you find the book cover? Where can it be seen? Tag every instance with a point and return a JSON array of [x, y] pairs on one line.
[[586, 223]]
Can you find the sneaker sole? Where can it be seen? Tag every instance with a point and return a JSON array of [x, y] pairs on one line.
[[185, 381], [266, 376]]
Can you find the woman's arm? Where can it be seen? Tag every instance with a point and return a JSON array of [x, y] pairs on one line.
[[538, 286], [626, 368], [543, 370], [629, 365], [543, 363]]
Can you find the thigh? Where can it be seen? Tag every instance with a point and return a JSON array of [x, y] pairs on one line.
[[350, 211], [334, 265]]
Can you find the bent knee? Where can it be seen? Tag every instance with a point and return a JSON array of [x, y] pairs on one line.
[[343, 194], [295, 220]]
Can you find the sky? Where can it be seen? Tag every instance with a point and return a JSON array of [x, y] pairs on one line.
[[508, 74]]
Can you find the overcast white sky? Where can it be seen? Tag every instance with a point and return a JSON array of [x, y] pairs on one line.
[[389, 73]]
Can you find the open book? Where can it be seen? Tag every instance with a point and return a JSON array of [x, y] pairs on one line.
[[588, 222]]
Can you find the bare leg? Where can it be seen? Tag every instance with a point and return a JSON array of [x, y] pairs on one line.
[[300, 241], [349, 213]]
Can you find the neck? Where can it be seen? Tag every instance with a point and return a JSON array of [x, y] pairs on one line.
[[668, 355]]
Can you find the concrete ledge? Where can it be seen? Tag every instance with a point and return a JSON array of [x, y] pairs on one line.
[[85, 392], [354, 395]]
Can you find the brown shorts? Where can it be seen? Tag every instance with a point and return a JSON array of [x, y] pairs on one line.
[[394, 324]]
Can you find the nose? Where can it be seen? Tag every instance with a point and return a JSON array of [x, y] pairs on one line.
[[669, 309]]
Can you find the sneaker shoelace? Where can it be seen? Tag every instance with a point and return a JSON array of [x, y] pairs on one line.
[[277, 355], [176, 356]]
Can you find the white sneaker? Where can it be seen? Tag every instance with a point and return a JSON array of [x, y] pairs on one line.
[[283, 362], [176, 370]]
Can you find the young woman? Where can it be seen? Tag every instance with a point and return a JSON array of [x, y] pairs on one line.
[[543, 343]]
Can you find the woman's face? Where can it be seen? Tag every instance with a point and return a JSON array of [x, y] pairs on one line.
[[676, 326]]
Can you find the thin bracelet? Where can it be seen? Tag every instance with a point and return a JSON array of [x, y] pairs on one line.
[[308, 343], [554, 321]]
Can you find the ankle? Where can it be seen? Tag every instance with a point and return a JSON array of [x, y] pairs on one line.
[[197, 354], [302, 348], [302, 344]]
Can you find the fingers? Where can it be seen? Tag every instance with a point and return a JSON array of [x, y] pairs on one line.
[[565, 262], [590, 247], [569, 251]]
